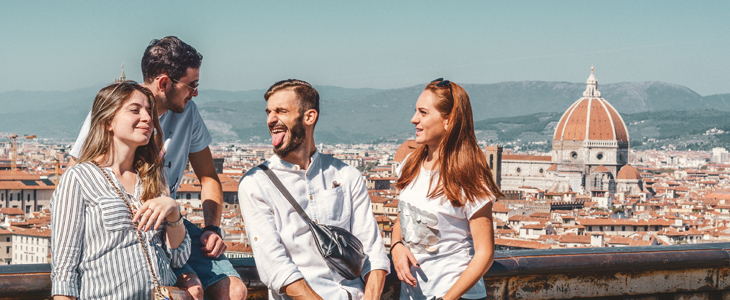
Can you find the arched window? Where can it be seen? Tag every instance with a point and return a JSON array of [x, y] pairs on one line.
[[187, 196], [491, 161]]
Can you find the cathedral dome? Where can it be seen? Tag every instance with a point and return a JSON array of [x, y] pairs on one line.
[[591, 118], [629, 172]]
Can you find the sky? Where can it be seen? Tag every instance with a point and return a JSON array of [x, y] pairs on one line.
[[68, 45]]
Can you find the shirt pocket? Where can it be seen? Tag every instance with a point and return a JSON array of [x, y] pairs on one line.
[[334, 206], [115, 214]]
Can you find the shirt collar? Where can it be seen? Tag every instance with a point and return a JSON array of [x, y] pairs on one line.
[[277, 162]]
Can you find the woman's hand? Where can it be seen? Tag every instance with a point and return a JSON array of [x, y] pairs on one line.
[[156, 210], [403, 259]]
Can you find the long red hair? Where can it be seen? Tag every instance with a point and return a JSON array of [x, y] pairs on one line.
[[464, 173]]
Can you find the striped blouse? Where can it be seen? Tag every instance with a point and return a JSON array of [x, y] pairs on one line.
[[95, 248]]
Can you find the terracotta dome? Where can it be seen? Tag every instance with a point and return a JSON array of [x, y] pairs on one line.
[[628, 172], [406, 148], [601, 169], [591, 118]]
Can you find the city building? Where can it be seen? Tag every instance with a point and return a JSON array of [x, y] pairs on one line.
[[590, 145], [31, 246], [720, 155], [26, 191]]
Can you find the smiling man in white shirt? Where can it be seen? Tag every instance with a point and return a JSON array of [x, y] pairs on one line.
[[330, 192]]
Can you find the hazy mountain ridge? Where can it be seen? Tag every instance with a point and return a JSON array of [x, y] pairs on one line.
[[359, 115], [687, 129], [326, 92]]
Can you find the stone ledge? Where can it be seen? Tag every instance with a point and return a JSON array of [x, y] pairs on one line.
[[700, 271]]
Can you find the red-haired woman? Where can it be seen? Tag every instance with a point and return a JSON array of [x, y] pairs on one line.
[[444, 241]]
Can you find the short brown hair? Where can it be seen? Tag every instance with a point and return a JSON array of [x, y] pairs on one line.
[[308, 95], [169, 56]]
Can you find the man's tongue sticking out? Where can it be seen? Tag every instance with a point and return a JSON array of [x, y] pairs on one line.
[[278, 138]]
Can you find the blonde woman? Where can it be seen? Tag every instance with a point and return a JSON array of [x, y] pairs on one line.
[[444, 241], [97, 252]]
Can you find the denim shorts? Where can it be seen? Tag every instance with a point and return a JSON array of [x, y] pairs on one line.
[[209, 270]]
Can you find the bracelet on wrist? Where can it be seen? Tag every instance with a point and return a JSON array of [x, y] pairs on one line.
[[393, 247], [176, 223]]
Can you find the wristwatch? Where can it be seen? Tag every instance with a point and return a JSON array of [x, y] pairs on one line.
[[215, 229]]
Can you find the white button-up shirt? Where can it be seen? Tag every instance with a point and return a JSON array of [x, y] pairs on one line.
[[330, 192]]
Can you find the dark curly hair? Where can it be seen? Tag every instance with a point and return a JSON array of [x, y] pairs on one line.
[[170, 56]]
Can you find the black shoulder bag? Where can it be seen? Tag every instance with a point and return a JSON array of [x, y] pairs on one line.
[[341, 249]]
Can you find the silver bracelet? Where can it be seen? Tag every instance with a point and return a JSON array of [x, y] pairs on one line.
[[176, 223]]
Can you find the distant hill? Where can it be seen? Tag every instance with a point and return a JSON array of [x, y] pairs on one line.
[[686, 129], [326, 92], [367, 115], [386, 115], [60, 114], [719, 101], [46, 114]]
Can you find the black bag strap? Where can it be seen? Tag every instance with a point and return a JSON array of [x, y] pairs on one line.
[[280, 186]]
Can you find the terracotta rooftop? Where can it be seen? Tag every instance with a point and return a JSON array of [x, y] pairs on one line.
[[520, 244], [34, 232], [543, 215], [626, 222], [628, 172], [575, 239], [500, 208], [11, 211], [406, 148], [602, 169]]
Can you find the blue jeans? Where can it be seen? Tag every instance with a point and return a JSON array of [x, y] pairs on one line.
[[209, 270]]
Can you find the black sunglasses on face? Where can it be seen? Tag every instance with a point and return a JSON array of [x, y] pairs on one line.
[[190, 88], [442, 83]]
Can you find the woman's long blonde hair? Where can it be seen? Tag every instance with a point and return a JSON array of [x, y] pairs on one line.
[[98, 143], [464, 173]]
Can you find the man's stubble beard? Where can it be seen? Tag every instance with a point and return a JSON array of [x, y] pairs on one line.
[[296, 136], [174, 107]]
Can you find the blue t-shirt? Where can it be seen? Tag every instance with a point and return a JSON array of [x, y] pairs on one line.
[[183, 133]]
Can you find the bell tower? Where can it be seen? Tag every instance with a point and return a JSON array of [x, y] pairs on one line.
[[494, 161]]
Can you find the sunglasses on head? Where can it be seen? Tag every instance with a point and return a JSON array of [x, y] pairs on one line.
[[442, 83]]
